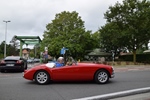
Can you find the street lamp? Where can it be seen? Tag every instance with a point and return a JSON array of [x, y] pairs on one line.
[[5, 37]]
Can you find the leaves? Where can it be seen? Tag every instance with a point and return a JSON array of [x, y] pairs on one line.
[[126, 22], [67, 30]]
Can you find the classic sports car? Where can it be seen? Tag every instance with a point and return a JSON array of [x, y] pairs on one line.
[[13, 63], [44, 73]]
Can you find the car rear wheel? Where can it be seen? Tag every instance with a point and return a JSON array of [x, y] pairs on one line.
[[42, 77], [101, 76]]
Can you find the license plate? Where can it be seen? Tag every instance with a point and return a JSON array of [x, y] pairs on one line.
[[9, 64]]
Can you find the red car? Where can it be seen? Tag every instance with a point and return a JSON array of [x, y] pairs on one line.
[[43, 74]]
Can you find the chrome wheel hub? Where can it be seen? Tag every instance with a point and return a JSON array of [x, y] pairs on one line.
[[41, 77], [102, 77]]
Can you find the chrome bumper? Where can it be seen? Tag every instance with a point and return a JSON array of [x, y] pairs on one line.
[[113, 75]]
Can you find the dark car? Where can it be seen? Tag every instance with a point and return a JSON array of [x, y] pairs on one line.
[[16, 63]]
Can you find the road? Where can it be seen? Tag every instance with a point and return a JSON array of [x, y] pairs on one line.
[[14, 87]]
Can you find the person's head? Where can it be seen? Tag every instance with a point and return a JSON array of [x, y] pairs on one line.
[[60, 60]]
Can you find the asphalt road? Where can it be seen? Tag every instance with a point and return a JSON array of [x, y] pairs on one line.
[[14, 87]]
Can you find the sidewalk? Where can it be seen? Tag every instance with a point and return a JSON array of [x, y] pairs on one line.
[[124, 68]]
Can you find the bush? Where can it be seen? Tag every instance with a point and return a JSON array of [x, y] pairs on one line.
[[1, 56], [142, 58]]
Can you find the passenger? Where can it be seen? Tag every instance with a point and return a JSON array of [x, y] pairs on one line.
[[68, 64], [60, 62]]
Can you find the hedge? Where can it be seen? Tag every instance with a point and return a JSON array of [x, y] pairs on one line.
[[143, 58]]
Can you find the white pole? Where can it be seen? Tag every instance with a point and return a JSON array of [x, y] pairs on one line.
[[5, 38]]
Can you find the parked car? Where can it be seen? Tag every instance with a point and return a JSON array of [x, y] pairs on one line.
[[45, 73], [30, 60], [36, 60], [13, 63]]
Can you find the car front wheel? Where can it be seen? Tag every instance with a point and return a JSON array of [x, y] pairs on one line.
[[101, 76], [42, 77]]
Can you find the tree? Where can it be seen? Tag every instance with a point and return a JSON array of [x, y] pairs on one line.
[[2, 49], [13, 47], [130, 23], [10, 50], [94, 40], [66, 30]]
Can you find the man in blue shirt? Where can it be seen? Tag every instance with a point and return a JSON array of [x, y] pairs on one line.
[[60, 62]]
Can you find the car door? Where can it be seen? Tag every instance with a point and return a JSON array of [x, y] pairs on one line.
[[66, 73]]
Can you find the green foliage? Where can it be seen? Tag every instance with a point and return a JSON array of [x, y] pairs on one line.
[[131, 20], [110, 36], [67, 30], [142, 58], [10, 50], [32, 53], [128, 25], [2, 49], [1, 56]]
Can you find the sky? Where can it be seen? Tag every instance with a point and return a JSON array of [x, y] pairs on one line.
[[30, 17]]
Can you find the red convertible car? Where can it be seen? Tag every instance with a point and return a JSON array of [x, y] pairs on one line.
[[45, 73]]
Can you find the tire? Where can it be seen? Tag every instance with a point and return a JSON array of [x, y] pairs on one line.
[[101, 77], [42, 77]]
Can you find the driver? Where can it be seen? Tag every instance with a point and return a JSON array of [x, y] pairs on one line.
[[60, 62]]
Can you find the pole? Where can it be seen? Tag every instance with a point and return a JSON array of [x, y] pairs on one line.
[[5, 38]]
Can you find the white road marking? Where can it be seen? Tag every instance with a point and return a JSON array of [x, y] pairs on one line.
[[111, 95]]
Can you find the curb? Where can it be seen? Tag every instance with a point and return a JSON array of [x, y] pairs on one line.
[[117, 94], [131, 68]]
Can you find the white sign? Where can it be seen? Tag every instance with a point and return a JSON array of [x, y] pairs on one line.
[[46, 48]]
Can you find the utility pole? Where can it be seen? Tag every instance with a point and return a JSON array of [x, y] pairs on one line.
[[5, 37]]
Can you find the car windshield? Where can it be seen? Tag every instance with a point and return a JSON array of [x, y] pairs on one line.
[[12, 57]]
